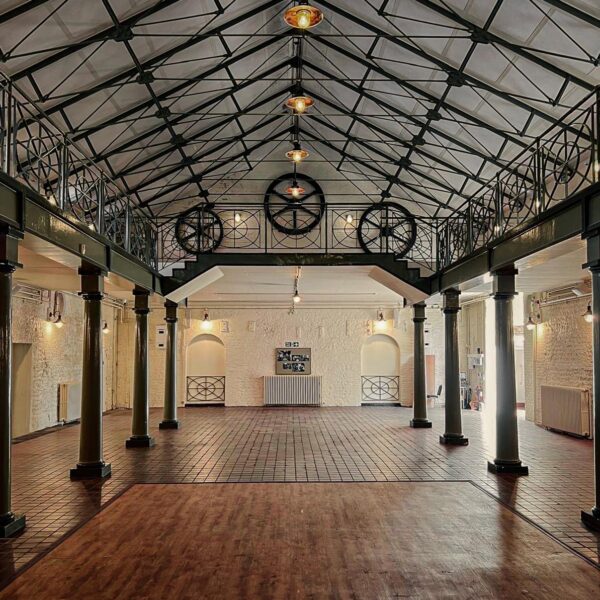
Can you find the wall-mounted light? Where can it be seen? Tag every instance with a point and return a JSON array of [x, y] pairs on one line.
[[206, 324], [237, 217], [530, 325], [296, 297], [589, 315], [349, 219], [303, 16], [105, 329], [381, 323], [59, 322]]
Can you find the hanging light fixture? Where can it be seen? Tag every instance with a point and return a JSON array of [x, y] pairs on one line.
[[206, 324], [297, 154], [296, 297], [588, 315], [295, 191], [299, 103], [303, 16]]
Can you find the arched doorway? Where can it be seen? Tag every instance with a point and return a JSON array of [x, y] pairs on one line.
[[205, 371], [380, 365]]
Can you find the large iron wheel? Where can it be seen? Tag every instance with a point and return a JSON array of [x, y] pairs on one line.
[[294, 216], [387, 227], [199, 230]]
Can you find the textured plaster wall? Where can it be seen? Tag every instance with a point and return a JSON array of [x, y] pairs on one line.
[[434, 344], [562, 349], [335, 337], [471, 336], [57, 354]]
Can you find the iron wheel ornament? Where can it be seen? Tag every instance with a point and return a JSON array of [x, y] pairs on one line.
[[387, 227], [294, 216], [199, 230]]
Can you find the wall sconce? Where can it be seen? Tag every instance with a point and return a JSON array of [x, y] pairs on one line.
[[381, 323], [105, 329], [349, 219], [206, 324], [237, 217], [588, 315], [59, 322], [530, 325]]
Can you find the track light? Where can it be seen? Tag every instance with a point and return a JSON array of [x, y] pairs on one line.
[[303, 16], [588, 315]]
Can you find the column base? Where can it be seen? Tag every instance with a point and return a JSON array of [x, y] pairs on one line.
[[512, 468], [454, 440], [591, 519], [139, 441], [174, 424], [95, 471], [420, 423], [11, 525]]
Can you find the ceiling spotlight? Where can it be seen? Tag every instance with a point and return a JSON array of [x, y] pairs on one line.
[[303, 16], [588, 315], [297, 154], [530, 325], [105, 328], [295, 191], [299, 104]]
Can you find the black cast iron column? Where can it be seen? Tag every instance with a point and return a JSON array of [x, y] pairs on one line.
[[592, 518], [139, 429], [170, 409], [419, 419], [453, 427], [507, 431], [91, 461], [10, 524]]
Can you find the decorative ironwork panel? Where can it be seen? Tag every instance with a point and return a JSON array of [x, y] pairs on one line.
[[380, 388], [205, 389]]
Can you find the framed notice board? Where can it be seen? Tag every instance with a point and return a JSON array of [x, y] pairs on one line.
[[292, 361]]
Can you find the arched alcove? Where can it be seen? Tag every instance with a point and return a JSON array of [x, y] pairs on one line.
[[380, 368], [205, 370]]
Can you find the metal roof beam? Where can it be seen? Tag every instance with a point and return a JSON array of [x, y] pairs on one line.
[[575, 12], [17, 11]]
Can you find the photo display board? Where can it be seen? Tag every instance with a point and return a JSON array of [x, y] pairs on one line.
[[292, 361]]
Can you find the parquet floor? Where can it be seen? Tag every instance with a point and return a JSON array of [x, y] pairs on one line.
[[231, 445]]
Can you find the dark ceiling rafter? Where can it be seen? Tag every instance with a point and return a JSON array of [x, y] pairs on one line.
[[159, 58], [17, 11], [575, 12], [485, 36], [218, 164], [447, 67]]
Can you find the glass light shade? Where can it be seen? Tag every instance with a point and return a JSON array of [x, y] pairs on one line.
[[206, 324], [237, 217], [349, 219], [588, 315], [105, 328], [303, 16], [530, 325], [295, 191], [59, 322], [297, 154], [299, 103], [297, 298]]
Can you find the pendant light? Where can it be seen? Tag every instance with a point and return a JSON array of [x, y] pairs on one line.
[[297, 154], [295, 191], [303, 16], [299, 103]]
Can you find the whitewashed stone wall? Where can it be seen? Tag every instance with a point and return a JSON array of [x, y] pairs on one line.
[[250, 355], [57, 354]]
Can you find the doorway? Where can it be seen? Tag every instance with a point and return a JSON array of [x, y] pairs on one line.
[[205, 373], [21, 389]]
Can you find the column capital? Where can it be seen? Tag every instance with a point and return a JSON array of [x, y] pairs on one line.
[[171, 311], [92, 282], [504, 282], [451, 301], [419, 313], [141, 304]]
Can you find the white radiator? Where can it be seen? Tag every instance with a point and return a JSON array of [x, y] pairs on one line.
[[292, 390], [566, 409]]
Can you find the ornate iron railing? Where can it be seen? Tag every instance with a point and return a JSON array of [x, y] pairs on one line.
[[561, 162], [35, 152], [248, 228], [205, 389], [380, 388]]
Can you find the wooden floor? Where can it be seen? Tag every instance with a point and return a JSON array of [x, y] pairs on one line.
[[307, 540]]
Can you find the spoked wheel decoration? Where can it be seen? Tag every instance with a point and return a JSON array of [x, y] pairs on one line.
[[568, 161], [199, 230], [294, 215], [387, 227]]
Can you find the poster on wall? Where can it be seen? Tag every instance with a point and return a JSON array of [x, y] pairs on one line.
[[292, 361]]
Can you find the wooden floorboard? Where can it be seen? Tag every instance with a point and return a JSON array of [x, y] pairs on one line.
[[307, 540]]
